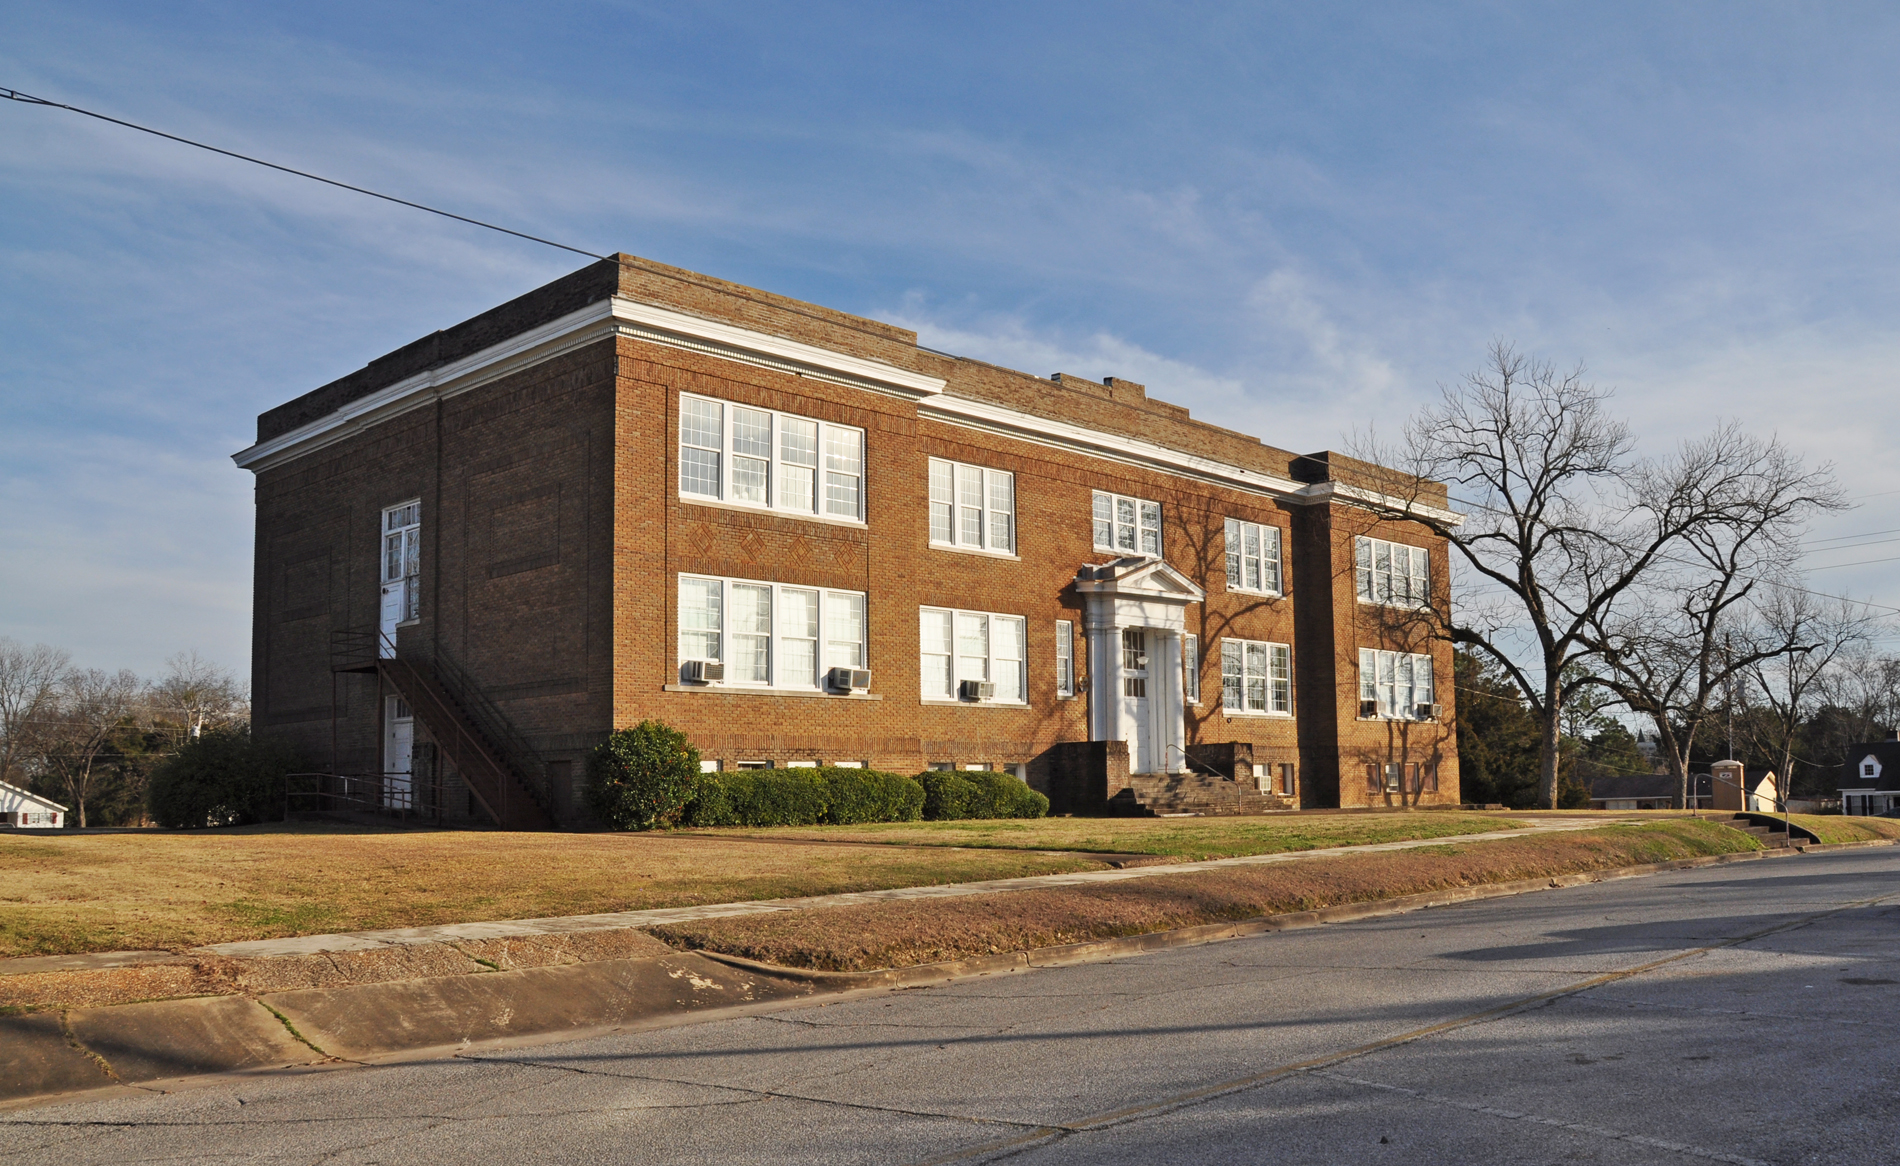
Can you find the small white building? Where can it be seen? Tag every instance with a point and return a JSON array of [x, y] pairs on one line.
[[29, 811]]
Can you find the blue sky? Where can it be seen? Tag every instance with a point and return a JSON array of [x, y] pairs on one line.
[[1292, 220]]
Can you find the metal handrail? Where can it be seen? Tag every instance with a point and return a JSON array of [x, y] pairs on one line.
[[494, 724]]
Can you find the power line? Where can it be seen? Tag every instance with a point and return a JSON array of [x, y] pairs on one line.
[[29, 99]]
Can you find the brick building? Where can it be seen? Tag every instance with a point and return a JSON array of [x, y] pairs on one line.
[[802, 538]]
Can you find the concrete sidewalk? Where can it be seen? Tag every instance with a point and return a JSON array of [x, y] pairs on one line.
[[462, 932]]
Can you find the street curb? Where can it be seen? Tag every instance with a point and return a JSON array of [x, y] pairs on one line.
[[45, 1055], [1096, 950]]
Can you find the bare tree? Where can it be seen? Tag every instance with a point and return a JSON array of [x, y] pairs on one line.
[[1690, 630], [29, 691], [1564, 519], [196, 694], [92, 704], [1828, 632]]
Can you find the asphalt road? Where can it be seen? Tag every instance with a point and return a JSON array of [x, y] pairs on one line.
[[1746, 1013]]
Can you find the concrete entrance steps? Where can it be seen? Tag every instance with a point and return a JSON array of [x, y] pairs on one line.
[[1772, 839], [1150, 795]]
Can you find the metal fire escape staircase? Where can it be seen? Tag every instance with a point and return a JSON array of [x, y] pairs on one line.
[[499, 768]]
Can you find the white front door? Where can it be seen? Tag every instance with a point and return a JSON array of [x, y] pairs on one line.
[[399, 747], [1134, 698]]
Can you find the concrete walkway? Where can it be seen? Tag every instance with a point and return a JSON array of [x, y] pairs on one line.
[[452, 932]]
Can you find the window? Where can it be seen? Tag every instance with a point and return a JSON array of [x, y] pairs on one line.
[[1392, 573], [1398, 684], [773, 460], [1289, 781], [801, 765], [1127, 524], [753, 765], [1191, 668], [402, 555], [972, 507], [1256, 677], [955, 646], [1135, 662], [1253, 557], [849, 765], [1065, 658], [768, 634], [706, 766]]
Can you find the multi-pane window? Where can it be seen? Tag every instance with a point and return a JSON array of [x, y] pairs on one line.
[[1256, 677], [1398, 684], [769, 634], [1191, 667], [778, 461], [1065, 658], [972, 507], [1392, 573], [1253, 557], [1401, 777], [402, 554], [955, 646], [1127, 524]]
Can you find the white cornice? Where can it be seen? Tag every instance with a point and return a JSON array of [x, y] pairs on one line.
[[744, 340], [593, 322], [1009, 422], [1134, 451], [1373, 499]]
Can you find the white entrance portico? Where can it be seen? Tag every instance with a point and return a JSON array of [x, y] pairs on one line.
[[1136, 614]]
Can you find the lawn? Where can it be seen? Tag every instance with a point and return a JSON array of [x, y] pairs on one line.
[[1835, 828], [1186, 838], [106, 892]]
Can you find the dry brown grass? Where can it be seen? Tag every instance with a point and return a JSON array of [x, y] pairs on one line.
[[171, 891], [918, 931], [1189, 838], [1835, 828]]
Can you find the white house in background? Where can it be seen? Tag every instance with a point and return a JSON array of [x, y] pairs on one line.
[[22, 810]]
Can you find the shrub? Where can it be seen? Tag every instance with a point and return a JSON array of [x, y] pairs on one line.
[[642, 777], [803, 797], [978, 793], [225, 777]]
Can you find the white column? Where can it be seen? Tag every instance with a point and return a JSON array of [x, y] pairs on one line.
[[1105, 686]]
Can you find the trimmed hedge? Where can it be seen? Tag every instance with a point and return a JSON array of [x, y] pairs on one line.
[[803, 797], [225, 777], [978, 793], [642, 777]]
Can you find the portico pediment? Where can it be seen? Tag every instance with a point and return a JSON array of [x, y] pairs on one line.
[[1135, 577]]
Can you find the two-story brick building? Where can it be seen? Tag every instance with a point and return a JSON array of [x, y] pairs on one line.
[[800, 537]]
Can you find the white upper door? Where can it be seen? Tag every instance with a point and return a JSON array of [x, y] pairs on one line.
[[1134, 697], [401, 572]]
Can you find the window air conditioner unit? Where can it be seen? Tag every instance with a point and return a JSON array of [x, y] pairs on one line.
[[1368, 709], [703, 672], [976, 690], [1426, 712], [849, 679]]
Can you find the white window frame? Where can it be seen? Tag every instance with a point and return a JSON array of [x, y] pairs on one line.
[[827, 436], [1125, 524], [993, 516], [1394, 681], [1265, 562], [400, 550], [1245, 662], [992, 663], [1191, 667], [834, 621], [1379, 580], [1065, 657]]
